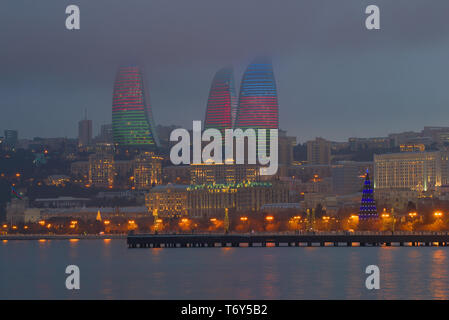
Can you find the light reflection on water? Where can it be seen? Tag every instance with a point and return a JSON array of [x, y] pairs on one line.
[[36, 270], [439, 279]]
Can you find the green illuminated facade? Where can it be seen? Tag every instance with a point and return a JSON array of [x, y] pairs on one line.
[[132, 119]]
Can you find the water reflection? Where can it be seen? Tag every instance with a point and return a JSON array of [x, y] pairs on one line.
[[414, 258], [111, 270], [438, 274], [354, 271], [270, 289], [389, 281]]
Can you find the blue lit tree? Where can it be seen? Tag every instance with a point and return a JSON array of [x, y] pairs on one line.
[[368, 208]]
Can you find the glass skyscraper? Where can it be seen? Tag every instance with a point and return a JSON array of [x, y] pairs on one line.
[[132, 119], [258, 103], [222, 102]]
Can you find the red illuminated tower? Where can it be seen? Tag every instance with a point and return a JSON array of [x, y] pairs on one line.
[[222, 102]]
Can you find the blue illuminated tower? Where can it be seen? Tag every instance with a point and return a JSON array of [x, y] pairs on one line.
[[258, 106], [258, 102], [368, 208]]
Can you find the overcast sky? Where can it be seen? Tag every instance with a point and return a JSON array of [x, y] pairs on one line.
[[335, 78]]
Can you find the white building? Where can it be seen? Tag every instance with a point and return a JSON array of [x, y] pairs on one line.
[[420, 171]]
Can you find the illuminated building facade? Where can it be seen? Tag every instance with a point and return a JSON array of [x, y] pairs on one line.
[[57, 180], [420, 171], [223, 173], [208, 200], [170, 200], [412, 147], [147, 170], [258, 102], [132, 119], [101, 170], [222, 102], [444, 162]]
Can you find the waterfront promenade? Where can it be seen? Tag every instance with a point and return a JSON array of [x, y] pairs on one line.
[[335, 239], [61, 236]]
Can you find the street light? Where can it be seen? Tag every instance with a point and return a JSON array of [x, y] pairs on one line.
[[412, 214], [326, 221], [132, 225], [438, 214], [295, 220]]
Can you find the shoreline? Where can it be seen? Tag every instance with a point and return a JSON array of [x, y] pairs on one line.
[[63, 237]]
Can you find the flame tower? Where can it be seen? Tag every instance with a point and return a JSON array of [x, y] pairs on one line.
[[258, 103], [222, 102], [132, 119]]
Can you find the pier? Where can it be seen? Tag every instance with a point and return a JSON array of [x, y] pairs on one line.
[[286, 240], [61, 237]]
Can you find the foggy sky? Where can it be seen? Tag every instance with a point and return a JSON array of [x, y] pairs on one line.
[[335, 78]]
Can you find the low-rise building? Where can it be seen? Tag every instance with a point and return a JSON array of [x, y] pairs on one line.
[[60, 202], [211, 199], [17, 212], [90, 213], [395, 198]]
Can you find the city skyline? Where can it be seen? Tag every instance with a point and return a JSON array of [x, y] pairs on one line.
[[201, 151], [334, 79]]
